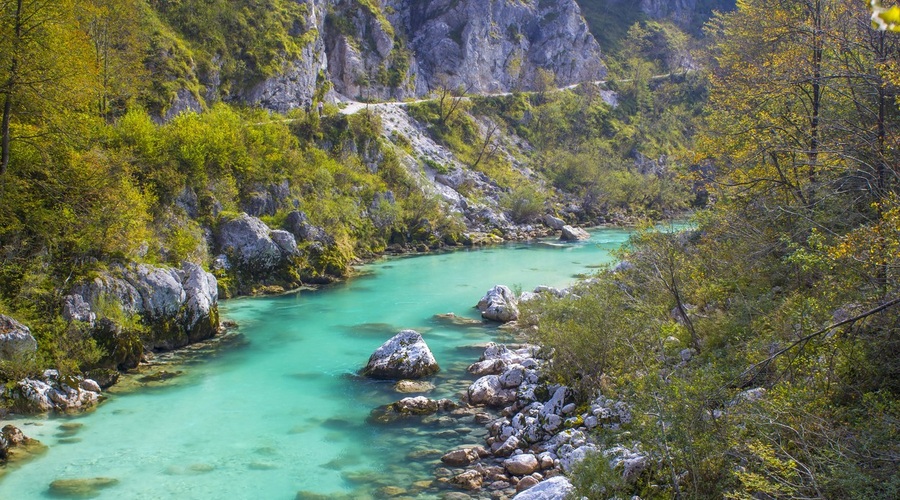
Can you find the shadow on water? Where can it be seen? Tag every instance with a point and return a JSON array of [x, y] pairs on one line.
[[385, 330], [451, 321], [305, 376]]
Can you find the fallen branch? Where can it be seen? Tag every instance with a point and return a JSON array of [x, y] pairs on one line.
[[765, 363]]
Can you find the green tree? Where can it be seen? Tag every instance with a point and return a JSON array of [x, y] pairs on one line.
[[43, 68], [114, 28]]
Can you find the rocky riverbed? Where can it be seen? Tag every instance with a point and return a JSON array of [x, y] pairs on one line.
[[400, 456], [532, 432]]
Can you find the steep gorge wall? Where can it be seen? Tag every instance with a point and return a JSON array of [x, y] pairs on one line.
[[405, 48]]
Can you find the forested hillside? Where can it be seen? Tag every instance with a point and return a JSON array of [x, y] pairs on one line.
[[145, 142], [760, 348], [133, 143]]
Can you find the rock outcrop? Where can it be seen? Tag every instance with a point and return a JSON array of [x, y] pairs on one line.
[[254, 255], [248, 243], [54, 393], [540, 435], [403, 356], [179, 306], [16, 340], [297, 223], [402, 48], [499, 304], [497, 46], [554, 223], [570, 233]]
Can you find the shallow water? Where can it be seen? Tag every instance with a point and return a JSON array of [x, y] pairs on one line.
[[277, 409]]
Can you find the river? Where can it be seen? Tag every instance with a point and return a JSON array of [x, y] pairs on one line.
[[276, 408]]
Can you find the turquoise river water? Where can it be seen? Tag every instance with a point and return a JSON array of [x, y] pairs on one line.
[[276, 408]]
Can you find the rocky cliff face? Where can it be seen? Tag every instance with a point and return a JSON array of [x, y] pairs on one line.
[[296, 85], [405, 48], [179, 306], [500, 45]]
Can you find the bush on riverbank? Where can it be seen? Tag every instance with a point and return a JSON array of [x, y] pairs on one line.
[[737, 379], [135, 191]]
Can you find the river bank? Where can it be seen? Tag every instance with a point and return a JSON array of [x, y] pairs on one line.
[[285, 391]]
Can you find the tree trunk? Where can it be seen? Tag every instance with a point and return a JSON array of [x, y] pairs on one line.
[[8, 92]]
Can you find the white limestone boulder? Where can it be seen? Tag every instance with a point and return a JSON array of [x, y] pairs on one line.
[[404, 356]]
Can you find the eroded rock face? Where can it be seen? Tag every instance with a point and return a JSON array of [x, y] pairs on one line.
[[483, 46], [404, 356], [16, 340], [498, 46], [686, 13], [295, 86], [180, 306], [499, 304], [246, 238]]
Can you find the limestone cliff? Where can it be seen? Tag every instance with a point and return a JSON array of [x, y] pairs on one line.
[[404, 48], [499, 45]]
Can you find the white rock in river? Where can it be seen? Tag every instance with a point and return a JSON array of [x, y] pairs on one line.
[[499, 304], [521, 465], [51, 393], [570, 233], [488, 391], [551, 489], [404, 356], [512, 377]]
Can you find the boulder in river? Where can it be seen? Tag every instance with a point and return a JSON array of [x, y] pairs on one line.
[[17, 447], [570, 233], [489, 391], [15, 339], [55, 393], [469, 480], [461, 457], [404, 356], [522, 465], [499, 304], [551, 489]]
